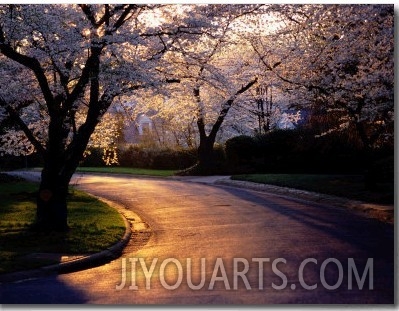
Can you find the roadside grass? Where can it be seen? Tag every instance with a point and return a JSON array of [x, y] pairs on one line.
[[94, 225], [347, 186]]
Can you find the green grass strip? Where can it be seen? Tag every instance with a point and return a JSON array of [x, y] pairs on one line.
[[348, 186], [94, 225]]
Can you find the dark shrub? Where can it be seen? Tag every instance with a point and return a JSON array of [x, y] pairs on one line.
[[8, 162], [279, 151], [174, 159], [94, 159], [302, 151], [240, 153], [279, 142], [381, 171], [154, 158], [135, 156], [219, 157], [240, 149]]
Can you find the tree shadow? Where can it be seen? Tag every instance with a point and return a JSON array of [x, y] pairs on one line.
[[47, 290], [331, 232], [370, 235]]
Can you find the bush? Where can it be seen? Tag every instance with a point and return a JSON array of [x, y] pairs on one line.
[[240, 152], [168, 159], [135, 156], [279, 142], [240, 149], [301, 151], [174, 159], [94, 159], [382, 170], [8, 162], [280, 151]]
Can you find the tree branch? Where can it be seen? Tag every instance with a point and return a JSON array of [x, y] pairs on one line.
[[31, 63], [227, 105], [17, 119], [86, 8], [124, 16]]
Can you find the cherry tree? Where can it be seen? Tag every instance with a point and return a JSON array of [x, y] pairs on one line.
[[71, 61], [339, 57], [215, 72], [218, 73]]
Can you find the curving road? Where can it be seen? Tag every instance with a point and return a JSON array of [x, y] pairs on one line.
[[271, 250]]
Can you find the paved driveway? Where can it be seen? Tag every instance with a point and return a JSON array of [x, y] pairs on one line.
[[203, 244]]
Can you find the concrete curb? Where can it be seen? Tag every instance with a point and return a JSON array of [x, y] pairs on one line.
[[95, 259], [384, 213], [82, 263]]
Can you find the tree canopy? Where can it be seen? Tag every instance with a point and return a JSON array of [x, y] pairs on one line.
[[63, 65]]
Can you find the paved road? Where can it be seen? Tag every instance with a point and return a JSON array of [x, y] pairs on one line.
[[248, 231]]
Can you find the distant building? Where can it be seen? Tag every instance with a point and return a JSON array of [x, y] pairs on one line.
[[141, 126]]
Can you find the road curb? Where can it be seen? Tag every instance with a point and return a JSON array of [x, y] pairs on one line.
[[96, 259], [82, 263]]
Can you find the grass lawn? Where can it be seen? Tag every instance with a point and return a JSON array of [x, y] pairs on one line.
[[348, 186], [94, 227], [127, 170]]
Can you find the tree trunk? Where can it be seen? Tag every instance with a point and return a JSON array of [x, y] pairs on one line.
[[51, 213], [206, 158], [207, 162]]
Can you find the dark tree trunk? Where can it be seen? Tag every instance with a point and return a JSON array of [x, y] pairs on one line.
[[51, 213], [59, 166], [207, 163]]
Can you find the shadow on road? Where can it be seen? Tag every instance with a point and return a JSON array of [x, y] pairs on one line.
[[48, 290], [321, 231], [367, 234]]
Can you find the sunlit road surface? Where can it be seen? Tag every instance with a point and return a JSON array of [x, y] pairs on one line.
[[193, 221]]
